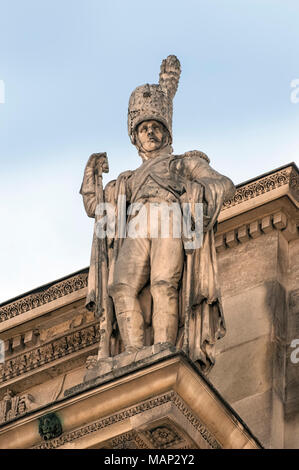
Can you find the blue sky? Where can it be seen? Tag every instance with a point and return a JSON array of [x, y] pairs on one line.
[[69, 67]]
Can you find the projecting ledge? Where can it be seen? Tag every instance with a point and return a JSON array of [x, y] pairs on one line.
[[165, 403]]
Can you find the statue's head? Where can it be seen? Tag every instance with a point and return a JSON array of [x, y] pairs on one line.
[[151, 136], [153, 104]]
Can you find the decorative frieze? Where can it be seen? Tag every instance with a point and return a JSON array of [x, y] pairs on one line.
[[13, 406], [128, 440], [162, 437], [75, 283], [49, 352], [158, 433], [251, 190], [195, 422]]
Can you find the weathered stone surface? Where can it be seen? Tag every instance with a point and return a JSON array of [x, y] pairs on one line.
[[248, 264], [63, 324], [256, 411], [277, 423], [243, 370], [291, 438], [293, 274], [105, 369], [293, 308], [248, 316]]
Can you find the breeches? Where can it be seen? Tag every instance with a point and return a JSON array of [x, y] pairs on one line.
[[140, 260], [160, 262]]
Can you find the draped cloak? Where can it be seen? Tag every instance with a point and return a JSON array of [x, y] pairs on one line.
[[201, 320]]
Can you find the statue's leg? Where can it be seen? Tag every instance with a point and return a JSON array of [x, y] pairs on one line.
[[167, 257], [131, 273]]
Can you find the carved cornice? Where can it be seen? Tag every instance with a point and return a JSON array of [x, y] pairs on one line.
[[47, 295], [286, 176], [49, 352], [130, 412], [246, 232], [294, 184]]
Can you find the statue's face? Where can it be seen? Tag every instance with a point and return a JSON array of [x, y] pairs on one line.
[[150, 135]]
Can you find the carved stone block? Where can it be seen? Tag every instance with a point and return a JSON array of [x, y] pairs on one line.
[[279, 220], [49, 426], [254, 229], [30, 338], [267, 224], [243, 235], [220, 243], [17, 344], [231, 239]]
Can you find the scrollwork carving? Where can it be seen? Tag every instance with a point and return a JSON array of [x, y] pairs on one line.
[[49, 352], [163, 436], [251, 190], [36, 300]]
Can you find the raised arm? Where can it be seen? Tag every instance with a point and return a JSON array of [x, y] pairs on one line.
[[88, 191], [96, 165]]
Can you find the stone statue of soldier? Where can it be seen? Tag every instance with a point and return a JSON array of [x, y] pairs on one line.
[[149, 290]]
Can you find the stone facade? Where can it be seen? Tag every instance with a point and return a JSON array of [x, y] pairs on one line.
[[48, 336], [258, 247]]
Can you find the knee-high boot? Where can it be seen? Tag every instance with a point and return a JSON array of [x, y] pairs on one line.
[[165, 325], [131, 327], [129, 316], [165, 313]]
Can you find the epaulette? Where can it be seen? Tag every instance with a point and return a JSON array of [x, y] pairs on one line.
[[196, 153]]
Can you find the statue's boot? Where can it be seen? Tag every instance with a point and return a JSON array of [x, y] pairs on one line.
[[131, 327], [165, 312], [129, 315], [165, 326]]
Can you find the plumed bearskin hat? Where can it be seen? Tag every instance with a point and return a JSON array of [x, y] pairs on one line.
[[149, 102]]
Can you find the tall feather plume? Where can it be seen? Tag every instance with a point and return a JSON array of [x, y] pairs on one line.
[[170, 72]]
